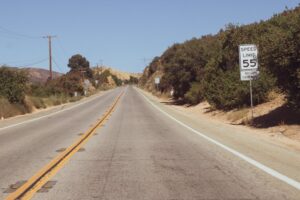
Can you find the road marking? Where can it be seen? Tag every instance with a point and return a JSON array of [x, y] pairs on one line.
[[27, 190], [38, 118], [253, 162]]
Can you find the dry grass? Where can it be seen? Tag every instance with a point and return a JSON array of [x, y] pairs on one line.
[[273, 94], [32, 103], [8, 110], [55, 100], [37, 102], [73, 99], [237, 115]]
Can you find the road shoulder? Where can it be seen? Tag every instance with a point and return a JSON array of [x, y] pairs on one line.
[[280, 157], [20, 119]]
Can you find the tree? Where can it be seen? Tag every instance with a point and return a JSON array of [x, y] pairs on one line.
[[66, 84], [184, 64], [117, 81], [154, 65], [133, 80], [78, 63]]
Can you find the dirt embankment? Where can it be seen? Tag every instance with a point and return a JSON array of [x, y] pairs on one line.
[[274, 118], [31, 104]]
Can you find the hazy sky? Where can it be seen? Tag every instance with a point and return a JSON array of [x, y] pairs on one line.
[[121, 33]]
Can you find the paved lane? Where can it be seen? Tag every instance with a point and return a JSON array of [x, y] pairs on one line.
[[26, 148], [141, 154]]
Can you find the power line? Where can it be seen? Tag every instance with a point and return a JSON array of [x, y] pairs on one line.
[[9, 32], [61, 46], [58, 62], [16, 35], [9, 36], [34, 63], [21, 61], [58, 67], [25, 65], [60, 56]]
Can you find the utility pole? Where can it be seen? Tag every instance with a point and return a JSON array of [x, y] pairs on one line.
[[49, 37]]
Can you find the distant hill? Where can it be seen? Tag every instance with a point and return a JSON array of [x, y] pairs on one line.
[[38, 75], [121, 75]]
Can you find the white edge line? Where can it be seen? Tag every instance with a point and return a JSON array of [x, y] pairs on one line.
[[255, 163], [54, 113]]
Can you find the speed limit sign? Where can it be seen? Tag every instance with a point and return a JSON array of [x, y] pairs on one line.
[[248, 61]]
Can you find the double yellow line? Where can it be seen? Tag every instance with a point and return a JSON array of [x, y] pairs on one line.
[[27, 190]]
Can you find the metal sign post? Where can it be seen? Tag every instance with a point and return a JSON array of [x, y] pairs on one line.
[[156, 81], [249, 66], [251, 99]]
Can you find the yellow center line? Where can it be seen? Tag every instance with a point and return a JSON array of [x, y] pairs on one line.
[[27, 190]]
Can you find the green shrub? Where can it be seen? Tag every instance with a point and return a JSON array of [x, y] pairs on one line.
[[224, 90], [117, 81], [195, 94], [40, 90], [65, 85], [12, 84], [133, 80], [283, 53]]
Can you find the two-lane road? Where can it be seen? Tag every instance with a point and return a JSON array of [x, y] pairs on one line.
[[27, 147], [138, 154]]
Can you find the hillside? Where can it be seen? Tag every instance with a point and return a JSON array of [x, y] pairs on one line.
[[35, 74], [204, 75], [121, 75], [207, 68], [38, 75]]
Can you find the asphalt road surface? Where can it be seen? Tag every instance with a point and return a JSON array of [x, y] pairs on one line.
[[138, 154]]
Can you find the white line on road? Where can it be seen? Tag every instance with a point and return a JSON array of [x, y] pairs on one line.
[[54, 113], [255, 163]]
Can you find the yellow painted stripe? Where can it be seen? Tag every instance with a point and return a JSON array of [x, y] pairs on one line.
[[34, 183]]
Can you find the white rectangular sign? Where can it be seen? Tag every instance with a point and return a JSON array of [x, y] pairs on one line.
[[157, 80], [248, 61], [249, 75]]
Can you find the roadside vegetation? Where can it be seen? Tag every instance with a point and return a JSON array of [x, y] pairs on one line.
[[207, 68], [18, 95]]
